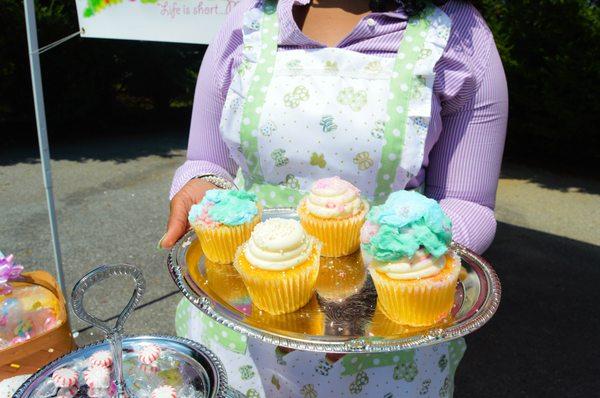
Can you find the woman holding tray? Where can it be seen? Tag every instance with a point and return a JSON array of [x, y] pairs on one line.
[[297, 90]]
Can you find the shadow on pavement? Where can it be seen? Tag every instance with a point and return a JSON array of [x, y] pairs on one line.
[[111, 146], [131, 143], [544, 338], [562, 181]]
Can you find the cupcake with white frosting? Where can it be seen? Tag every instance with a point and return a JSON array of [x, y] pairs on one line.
[[406, 241], [279, 265], [334, 212]]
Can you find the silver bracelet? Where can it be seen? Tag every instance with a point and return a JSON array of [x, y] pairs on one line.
[[217, 181]]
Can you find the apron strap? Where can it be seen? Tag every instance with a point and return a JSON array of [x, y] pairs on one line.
[[269, 35], [402, 84]]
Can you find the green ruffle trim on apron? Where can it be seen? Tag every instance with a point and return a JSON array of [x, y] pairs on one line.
[[212, 330]]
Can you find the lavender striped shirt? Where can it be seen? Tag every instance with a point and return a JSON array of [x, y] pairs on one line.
[[464, 145]]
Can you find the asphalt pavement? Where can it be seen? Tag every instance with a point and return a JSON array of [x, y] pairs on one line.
[[112, 206]]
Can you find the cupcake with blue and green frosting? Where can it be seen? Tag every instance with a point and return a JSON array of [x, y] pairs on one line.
[[407, 245], [223, 221]]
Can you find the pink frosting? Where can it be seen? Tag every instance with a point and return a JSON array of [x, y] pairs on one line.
[[367, 231], [332, 182], [205, 217], [334, 198]]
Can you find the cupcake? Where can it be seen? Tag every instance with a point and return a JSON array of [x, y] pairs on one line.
[[333, 212], [406, 241], [279, 265], [223, 220]]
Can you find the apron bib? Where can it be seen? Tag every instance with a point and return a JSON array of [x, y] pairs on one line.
[[293, 117]]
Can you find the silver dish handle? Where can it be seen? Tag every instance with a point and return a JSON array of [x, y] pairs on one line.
[[113, 333], [100, 274]]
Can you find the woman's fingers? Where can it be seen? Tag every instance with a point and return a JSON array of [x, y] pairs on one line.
[[178, 224], [178, 221]]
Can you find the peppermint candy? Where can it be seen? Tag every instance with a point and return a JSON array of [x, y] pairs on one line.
[[65, 378], [164, 392], [149, 354], [101, 358], [97, 377]]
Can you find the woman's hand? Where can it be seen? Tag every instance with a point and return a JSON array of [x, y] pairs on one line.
[[182, 202]]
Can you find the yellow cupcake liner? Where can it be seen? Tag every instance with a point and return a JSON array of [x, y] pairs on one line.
[[339, 237], [224, 280], [219, 244], [341, 277], [280, 292], [418, 302]]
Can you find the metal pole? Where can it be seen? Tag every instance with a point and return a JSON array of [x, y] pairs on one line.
[[40, 118]]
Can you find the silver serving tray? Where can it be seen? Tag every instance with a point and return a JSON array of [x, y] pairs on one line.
[[343, 317], [215, 375]]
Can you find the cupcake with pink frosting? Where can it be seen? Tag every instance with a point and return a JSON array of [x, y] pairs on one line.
[[334, 212], [407, 243], [224, 220]]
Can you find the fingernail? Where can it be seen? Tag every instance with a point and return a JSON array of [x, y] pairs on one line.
[[158, 246]]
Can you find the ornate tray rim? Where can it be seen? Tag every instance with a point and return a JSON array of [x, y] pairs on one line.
[[361, 345], [221, 390]]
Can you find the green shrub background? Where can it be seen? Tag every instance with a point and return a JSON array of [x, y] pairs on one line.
[[550, 50]]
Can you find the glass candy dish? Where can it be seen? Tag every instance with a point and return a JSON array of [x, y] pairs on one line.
[[138, 366], [192, 370]]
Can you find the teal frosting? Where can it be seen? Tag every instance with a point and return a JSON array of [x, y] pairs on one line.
[[408, 221], [228, 207]]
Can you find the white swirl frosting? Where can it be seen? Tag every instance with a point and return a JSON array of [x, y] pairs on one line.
[[278, 244], [421, 265], [333, 198]]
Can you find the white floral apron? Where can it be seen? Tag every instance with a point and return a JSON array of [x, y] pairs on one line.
[[293, 117]]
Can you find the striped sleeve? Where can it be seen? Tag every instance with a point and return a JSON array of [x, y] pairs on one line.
[[207, 152], [465, 162]]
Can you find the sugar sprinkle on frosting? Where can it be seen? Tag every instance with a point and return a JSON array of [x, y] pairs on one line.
[[333, 198], [278, 244]]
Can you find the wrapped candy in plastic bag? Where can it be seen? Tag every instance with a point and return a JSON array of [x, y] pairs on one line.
[[25, 312], [33, 319]]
